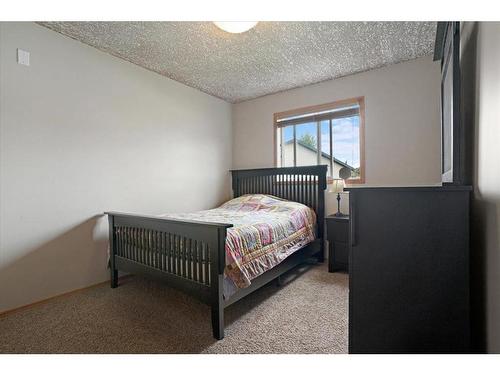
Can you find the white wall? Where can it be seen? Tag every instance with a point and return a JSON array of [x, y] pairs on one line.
[[402, 123], [480, 65], [82, 132]]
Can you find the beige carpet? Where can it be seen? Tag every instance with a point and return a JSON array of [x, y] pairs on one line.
[[308, 314]]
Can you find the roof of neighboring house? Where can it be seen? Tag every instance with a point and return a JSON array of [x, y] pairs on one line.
[[324, 154]]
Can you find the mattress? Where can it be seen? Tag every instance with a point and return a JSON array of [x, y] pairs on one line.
[[266, 230]]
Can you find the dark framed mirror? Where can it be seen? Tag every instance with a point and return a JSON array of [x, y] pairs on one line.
[[447, 50]]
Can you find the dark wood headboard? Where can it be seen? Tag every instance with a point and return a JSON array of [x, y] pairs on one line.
[[305, 185]]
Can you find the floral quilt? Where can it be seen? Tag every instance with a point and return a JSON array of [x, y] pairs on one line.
[[265, 231]]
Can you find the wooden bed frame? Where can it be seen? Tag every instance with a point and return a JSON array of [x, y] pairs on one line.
[[190, 255]]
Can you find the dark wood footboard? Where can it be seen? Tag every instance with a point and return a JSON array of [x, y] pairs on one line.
[[189, 255]]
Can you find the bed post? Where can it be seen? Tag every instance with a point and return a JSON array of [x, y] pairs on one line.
[[321, 213], [218, 263], [112, 252]]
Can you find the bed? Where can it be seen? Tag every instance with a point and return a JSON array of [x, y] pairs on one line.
[[278, 216]]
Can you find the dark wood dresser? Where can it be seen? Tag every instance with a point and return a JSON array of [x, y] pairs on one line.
[[337, 232], [409, 270]]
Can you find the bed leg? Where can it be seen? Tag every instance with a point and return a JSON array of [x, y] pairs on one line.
[[279, 282], [114, 278], [218, 322], [217, 305], [218, 257], [320, 256], [112, 251]]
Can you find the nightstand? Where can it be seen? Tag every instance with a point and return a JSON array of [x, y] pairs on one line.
[[337, 230]]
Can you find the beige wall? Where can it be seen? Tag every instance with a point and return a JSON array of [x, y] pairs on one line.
[[480, 64], [82, 132], [402, 122]]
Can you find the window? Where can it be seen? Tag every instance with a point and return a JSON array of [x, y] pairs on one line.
[[338, 129]]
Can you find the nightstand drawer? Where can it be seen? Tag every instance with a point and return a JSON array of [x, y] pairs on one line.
[[341, 252], [338, 231]]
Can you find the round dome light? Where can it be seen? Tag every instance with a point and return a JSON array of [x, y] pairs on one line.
[[235, 27]]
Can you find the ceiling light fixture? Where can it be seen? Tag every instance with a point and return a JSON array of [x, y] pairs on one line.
[[235, 27]]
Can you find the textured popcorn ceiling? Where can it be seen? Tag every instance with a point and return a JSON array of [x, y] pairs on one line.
[[272, 57]]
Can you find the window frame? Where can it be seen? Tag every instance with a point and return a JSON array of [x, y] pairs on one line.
[[328, 107]]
